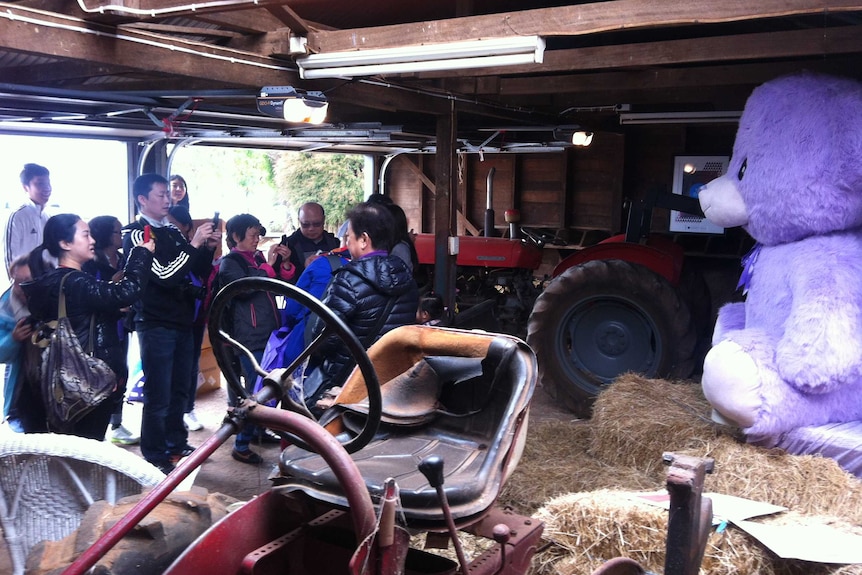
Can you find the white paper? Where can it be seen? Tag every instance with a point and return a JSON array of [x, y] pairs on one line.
[[820, 543]]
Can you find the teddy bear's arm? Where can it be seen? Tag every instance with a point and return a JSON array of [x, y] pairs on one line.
[[821, 348], [731, 317]]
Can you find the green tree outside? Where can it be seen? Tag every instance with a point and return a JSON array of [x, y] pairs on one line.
[[335, 181], [270, 184]]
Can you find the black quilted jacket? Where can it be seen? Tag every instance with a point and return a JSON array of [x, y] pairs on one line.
[[358, 294]]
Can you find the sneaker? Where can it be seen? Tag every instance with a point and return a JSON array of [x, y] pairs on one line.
[[247, 456], [267, 436], [190, 420], [165, 467], [180, 452], [122, 436]]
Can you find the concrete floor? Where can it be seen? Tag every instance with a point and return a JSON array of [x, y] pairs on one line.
[[219, 473]]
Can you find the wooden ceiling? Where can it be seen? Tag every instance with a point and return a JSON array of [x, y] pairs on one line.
[[182, 68]]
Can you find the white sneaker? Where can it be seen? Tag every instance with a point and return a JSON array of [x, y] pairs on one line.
[[123, 436], [191, 421]]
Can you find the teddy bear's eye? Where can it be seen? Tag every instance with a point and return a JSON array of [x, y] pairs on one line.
[[742, 169]]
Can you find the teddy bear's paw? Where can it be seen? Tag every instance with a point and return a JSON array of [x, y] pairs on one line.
[[731, 383]]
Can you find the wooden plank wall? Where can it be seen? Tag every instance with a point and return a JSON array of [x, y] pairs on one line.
[[580, 189]]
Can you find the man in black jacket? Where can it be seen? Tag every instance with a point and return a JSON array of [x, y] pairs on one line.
[[372, 294], [311, 238], [163, 319]]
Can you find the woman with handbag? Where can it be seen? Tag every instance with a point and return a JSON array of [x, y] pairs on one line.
[[90, 304]]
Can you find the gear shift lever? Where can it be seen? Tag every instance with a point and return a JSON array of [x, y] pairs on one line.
[[432, 468]]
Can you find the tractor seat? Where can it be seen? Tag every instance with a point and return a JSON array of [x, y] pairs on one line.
[[467, 405]]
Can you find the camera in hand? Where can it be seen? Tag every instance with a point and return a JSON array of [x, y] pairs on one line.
[[196, 291], [278, 258]]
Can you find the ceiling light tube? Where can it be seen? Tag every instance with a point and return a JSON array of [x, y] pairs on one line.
[[680, 118], [429, 57]]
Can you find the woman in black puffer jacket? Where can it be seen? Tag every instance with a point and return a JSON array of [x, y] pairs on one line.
[[360, 293], [67, 238]]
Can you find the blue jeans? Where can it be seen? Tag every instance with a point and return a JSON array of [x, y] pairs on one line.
[[166, 358], [198, 334], [248, 433]]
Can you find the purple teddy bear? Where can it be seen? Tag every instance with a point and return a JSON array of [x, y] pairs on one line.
[[791, 354]]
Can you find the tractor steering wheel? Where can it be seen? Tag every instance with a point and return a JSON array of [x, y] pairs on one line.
[[224, 345]]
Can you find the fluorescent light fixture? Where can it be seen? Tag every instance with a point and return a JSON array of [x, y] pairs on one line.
[[681, 118], [582, 138], [486, 53], [293, 105]]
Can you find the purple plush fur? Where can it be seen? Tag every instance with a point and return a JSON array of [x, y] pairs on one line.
[[797, 168]]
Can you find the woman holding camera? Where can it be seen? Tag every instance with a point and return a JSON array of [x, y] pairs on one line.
[[255, 316], [68, 239]]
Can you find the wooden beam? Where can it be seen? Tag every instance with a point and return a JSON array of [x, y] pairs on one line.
[[426, 181], [257, 21], [289, 18], [30, 32], [820, 42], [591, 18], [647, 81], [186, 30], [59, 73]]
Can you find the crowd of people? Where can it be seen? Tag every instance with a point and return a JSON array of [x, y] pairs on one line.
[[152, 276]]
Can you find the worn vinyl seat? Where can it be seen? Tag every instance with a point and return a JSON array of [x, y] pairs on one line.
[[470, 393]]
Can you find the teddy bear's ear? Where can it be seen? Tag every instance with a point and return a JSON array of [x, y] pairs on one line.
[[800, 139]]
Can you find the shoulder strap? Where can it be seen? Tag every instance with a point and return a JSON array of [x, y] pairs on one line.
[[61, 313], [372, 335], [238, 258], [334, 261]]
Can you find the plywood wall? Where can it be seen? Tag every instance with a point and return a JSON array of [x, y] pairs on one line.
[[578, 189]]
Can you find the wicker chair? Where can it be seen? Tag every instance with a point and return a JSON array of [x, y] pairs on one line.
[[48, 481]]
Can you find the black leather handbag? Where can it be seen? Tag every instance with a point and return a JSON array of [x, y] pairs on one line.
[[73, 381]]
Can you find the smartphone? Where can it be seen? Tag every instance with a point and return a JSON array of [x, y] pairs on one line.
[[215, 221], [283, 241], [148, 232]]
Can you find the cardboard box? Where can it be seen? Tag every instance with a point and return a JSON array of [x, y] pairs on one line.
[[209, 375]]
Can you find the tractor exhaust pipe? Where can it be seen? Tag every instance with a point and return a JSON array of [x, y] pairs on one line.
[[489, 204]]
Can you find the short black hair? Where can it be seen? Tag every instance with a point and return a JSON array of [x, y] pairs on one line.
[[143, 184], [31, 171], [432, 304], [376, 221], [101, 229], [239, 225]]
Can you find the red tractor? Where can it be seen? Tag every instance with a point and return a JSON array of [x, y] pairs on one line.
[[623, 304], [348, 498]]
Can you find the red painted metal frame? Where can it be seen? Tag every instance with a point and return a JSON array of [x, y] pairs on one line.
[[475, 251], [659, 254], [362, 509]]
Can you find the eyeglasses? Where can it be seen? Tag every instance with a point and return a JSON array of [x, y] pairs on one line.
[[311, 224]]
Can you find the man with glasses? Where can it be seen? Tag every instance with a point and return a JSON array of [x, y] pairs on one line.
[[311, 239]]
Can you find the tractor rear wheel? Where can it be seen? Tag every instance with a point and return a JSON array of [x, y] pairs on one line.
[[603, 318]]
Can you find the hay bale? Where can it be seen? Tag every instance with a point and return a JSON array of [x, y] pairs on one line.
[[591, 528], [555, 461], [672, 416], [588, 529], [636, 419], [807, 484]]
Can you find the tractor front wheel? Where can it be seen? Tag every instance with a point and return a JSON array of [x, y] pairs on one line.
[[603, 318]]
